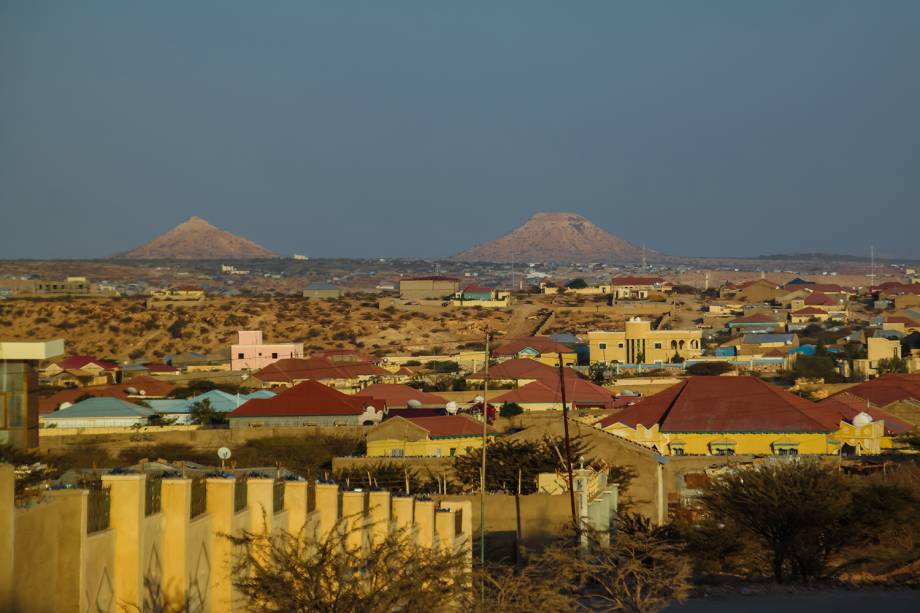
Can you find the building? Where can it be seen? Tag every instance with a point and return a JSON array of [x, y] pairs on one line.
[[433, 287], [430, 437], [319, 290], [71, 286], [758, 290], [743, 416], [398, 396], [637, 343], [808, 314], [477, 295], [250, 353], [546, 395], [756, 322], [521, 371], [540, 348], [639, 288], [19, 389], [344, 375], [308, 404], [888, 389], [99, 412], [182, 295], [180, 409], [141, 387], [80, 371]]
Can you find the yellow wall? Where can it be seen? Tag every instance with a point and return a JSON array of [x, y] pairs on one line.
[[614, 346], [439, 447], [867, 439]]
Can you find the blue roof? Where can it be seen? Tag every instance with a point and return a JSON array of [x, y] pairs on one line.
[[104, 406], [798, 281], [221, 401], [566, 338]]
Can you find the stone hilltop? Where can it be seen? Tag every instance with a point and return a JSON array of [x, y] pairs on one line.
[[196, 239]]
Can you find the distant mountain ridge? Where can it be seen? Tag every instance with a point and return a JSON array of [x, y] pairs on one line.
[[196, 239], [555, 236]]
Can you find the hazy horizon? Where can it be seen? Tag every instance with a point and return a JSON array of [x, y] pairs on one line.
[[419, 129]]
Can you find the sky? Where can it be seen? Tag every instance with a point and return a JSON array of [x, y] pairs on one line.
[[418, 129]]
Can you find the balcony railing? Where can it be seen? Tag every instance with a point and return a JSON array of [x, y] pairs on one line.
[[99, 505], [199, 497], [153, 495], [278, 496], [240, 494]]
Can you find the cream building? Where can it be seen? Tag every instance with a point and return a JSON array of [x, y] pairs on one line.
[[637, 343]]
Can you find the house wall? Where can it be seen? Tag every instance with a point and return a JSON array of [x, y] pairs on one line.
[[320, 294], [73, 423], [294, 421], [638, 339], [168, 560], [250, 353], [426, 289], [442, 447]]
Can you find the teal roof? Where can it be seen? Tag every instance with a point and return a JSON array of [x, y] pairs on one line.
[[102, 407], [221, 401]]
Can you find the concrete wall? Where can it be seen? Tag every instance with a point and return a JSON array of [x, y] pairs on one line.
[[48, 561]]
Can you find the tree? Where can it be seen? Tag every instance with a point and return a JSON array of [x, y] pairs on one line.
[[334, 573], [601, 374], [510, 409], [709, 368], [816, 367], [797, 510], [891, 365], [203, 413], [578, 283], [505, 458]]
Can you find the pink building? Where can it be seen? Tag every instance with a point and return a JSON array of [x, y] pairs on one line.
[[250, 353]]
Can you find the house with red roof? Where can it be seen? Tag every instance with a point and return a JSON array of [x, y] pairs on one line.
[[744, 416], [756, 322], [81, 371], [342, 375], [888, 389], [398, 396], [540, 348], [440, 436], [521, 371], [133, 390], [546, 395], [808, 314], [309, 403]]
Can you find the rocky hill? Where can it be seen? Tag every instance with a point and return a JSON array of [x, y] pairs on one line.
[[196, 239], [561, 237]]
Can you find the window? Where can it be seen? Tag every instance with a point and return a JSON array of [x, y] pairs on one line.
[[396, 453], [602, 345], [619, 345], [274, 356], [240, 356], [677, 451], [453, 451], [725, 451], [657, 345], [437, 452], [787, 451]]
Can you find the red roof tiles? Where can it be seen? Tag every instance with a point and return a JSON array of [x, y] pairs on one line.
[[722, 404], [308, 398], [820, 298], [578, 392], [887, 389], [541, 344], [296, 369], [398, 396], [523, 368], [846, 406]]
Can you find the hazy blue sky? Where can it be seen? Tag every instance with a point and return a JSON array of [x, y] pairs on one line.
[[420, 128]]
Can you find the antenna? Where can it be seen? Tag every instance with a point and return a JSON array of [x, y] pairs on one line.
[[643, 256], [872, 264]]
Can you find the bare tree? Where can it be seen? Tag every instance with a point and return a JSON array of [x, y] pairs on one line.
[[344, 572]]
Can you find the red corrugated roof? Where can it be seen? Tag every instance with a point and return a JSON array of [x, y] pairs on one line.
[[542, 344], [888, 388], [477, 289], [820, 298], [297, 369], [722, 404], [450, 425], [523, 368], [578, 393], [151, 388], [308, 398], [846, 406], [76, 362], [397, 395], [810, 311]]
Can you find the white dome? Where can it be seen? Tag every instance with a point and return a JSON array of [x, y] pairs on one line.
[[451, 408], [862, 418], [414, 404], [478, 399]]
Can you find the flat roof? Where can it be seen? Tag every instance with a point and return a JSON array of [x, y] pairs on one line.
[[31, 350]]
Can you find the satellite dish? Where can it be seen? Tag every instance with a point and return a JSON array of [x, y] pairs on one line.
[[65, 405], [861, 419], [478, 399], [143, 392], [414, 404], [451, 408], [131, 391], [224, 453]]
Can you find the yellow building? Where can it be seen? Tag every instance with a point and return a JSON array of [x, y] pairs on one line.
[[637, 343], [747, 416], [19, 389], [428, 288], [428, 437], [540, 348]]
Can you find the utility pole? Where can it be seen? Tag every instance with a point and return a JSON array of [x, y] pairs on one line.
[[482, 472], [872, 265], [568, 447]]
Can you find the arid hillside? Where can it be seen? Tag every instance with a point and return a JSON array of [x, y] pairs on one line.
[[124, 328], [196, 239]]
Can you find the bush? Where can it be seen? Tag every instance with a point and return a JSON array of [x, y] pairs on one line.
[[510, 409], [709, 368]]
